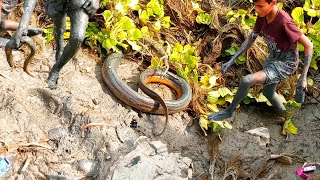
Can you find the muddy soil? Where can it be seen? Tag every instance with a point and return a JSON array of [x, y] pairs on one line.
[[45, 128]]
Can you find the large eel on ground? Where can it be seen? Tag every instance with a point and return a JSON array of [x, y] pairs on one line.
[[141, 102]]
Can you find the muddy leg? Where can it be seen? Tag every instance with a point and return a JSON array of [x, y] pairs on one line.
[[59, 29], [245, 84], [269, 91], [79, 20]]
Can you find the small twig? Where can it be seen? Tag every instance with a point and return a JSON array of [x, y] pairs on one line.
[[314, 99], [10, 148], [263, 52], [59, 162], [119, 137], [25, 165], [36, 145], [294, 157], [198, 177], [274, 172], [86, 126], [282, 158], [73, 154], [207, 66], [165, 59], [9, 78], [212, 168], [315, 116], [56, 177]]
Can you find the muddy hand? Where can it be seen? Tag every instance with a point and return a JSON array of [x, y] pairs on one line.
[[226, 66], [302, 83], [300, 90], [15, 41]]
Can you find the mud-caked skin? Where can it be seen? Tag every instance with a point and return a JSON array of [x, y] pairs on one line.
[[245, 83], [244, 47], [302, 82], [79, 12]]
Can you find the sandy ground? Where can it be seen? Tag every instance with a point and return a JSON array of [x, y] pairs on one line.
[[43, 126]]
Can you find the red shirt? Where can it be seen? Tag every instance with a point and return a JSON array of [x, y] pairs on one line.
[[281, 34]]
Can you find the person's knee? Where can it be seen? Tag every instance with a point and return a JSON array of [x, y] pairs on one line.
[[247, 80], [76, 39]]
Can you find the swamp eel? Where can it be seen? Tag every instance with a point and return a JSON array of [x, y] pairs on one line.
[[143, 103]]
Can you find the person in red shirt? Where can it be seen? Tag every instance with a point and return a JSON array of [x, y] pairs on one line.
[[282, 37]]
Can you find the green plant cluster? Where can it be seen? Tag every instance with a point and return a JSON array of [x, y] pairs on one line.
[[118, 29], [247, 21], [202, 17], [186, 61], [245, 18], [307, 19], [232, 51]]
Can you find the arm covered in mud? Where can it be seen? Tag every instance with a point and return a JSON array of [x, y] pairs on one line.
[[244, 47], [302, 82], [15, 41]]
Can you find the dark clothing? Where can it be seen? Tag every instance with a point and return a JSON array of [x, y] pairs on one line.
[[281, 35], [58, 8]]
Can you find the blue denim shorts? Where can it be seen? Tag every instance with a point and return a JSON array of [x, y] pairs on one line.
[[279, 66]]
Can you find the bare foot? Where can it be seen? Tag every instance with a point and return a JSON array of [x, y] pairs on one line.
[[221, 115], [53, 79]]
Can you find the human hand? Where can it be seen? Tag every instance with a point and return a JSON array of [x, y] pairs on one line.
[[91, 6], [15, 41], [300, 89], [226, 66]]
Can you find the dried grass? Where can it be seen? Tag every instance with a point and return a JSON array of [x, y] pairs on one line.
[[182, 13], [232, 169]]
